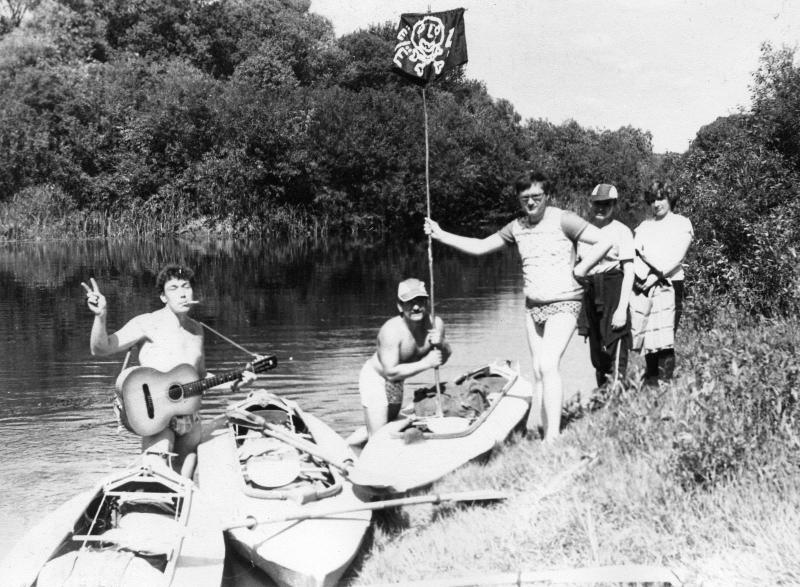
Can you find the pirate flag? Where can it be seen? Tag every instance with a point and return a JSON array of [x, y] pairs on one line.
[[430, 44]]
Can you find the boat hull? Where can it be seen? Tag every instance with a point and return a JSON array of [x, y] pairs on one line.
[[52, 551], [310, 552], [389, 464]]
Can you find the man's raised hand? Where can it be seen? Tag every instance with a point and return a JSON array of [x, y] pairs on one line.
[[94, 299]]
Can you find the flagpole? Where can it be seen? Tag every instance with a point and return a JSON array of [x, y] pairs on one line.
[[439, 411], [412, 56], [428, 199]]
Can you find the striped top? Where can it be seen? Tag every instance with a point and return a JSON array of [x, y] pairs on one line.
[[547, 250]]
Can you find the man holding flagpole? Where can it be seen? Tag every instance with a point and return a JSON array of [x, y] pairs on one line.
[[545, 237], [408, 344], [428, 46]]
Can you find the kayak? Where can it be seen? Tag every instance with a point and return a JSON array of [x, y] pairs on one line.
[[413, 452], [274, 473], [146, 525]]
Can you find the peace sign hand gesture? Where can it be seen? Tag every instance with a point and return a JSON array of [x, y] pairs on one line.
[[95, 300]]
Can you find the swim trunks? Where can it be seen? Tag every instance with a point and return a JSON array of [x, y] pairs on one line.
[[182, 425], [541, 312], [375, 390]]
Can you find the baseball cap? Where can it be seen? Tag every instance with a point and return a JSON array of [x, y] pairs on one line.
[[603, 191], [411, 288]]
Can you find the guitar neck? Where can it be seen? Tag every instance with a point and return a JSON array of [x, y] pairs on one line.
[[198, 387]]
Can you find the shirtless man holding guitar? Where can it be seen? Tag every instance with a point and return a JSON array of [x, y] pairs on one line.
[[153, 399]]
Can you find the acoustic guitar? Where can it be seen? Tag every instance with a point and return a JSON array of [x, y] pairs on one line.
[[149, 398]]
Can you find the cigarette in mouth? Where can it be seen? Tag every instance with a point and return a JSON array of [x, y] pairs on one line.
[[193, 302]]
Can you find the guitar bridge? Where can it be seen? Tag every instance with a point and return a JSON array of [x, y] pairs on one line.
[[148, 401]]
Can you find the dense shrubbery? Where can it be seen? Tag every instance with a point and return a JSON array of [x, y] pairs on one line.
[[252, 117], [735, 410], [739, 182], [578, 159]]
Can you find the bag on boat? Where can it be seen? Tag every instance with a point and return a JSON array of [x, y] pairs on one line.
[[467, 400]]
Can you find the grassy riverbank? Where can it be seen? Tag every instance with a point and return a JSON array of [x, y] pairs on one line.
[[683, 477], [47, 213]]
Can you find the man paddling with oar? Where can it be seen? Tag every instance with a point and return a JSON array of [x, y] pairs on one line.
[[408, 344]]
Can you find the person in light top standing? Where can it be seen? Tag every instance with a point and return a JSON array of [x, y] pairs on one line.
[[662, 243], [607, 291], [545, 237]]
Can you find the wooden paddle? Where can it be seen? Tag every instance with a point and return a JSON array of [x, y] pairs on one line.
[[614, 574], [436, 498]]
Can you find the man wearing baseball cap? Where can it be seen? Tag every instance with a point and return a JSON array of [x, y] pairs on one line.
[[408, 344], [607, 290]]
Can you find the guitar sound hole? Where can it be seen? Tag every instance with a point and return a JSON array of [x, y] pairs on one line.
[[175, 392]]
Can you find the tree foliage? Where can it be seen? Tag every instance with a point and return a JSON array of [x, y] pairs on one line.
[[249, 110], [738, 183], [580, 158]]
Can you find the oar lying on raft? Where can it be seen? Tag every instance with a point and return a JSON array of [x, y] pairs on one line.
[[256, 422], [616, 574], [436, 498]]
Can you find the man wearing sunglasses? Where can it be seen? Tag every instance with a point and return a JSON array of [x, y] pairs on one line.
[[607, 290]]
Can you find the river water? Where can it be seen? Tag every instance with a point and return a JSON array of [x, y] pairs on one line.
[[316, 306]]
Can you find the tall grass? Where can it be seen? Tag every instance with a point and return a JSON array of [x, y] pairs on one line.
[[47, 213], [39, 212], [733, 411], [699, 476]]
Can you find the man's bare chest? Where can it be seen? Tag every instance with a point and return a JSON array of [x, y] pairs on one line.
[[167, 347], [411, 349]]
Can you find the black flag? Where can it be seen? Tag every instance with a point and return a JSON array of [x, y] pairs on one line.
[[430, 44]]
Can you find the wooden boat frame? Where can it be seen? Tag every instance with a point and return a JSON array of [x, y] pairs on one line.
[[191, 552]]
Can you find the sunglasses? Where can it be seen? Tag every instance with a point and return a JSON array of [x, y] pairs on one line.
[[418, 301]]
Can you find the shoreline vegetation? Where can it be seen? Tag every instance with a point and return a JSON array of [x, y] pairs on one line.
[[699, 477], [251, 119]]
